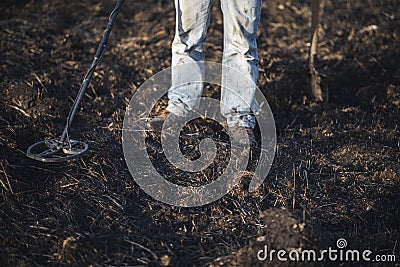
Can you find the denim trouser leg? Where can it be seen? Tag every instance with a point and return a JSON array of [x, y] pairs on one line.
[[192, 22], [241, 18]]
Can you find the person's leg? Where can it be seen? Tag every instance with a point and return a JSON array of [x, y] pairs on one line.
[[241, 19], [192, 22]]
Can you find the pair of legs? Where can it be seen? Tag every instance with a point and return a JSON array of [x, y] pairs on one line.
[[241, 19]]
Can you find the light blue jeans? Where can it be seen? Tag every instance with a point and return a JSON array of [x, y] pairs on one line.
[[241, 19]]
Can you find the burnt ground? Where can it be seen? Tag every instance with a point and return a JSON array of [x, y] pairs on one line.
[[336, 173]]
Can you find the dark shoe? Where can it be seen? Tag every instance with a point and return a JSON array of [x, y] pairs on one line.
[[250, 137], [157, 122]]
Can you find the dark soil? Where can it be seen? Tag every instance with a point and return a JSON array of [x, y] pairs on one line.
[[336, 173]]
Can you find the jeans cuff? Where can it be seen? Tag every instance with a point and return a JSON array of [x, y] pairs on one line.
[[242, 121], [177, 109]]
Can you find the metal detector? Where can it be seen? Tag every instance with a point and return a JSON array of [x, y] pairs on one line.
[[63, 149]]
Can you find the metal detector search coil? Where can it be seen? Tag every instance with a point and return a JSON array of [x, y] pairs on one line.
[[54, 151], [65, 149]]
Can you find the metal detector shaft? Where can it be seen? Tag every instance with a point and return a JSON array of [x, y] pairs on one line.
[[88, 76]]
